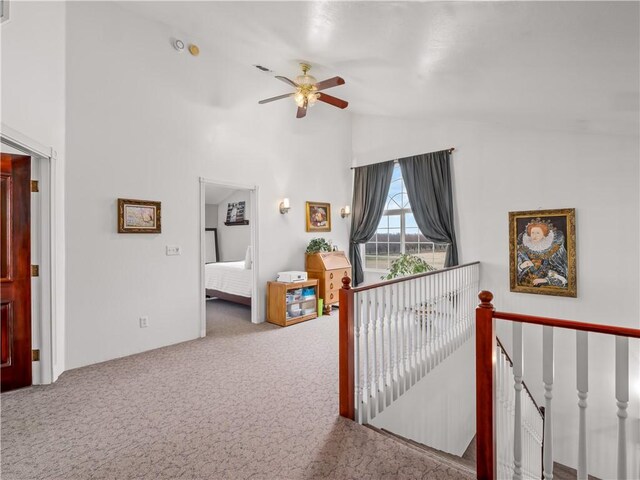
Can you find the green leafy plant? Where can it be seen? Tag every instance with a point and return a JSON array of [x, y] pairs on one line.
[[407, 264], [318, 245]]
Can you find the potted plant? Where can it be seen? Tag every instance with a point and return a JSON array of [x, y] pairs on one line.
[[405, 265], [317, 245]]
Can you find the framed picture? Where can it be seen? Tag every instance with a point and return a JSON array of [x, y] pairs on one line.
[[542, 252], [318, 217], [138, 216], [235, 214]]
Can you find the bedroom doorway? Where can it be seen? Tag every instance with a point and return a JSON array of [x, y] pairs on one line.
[[228, 260]]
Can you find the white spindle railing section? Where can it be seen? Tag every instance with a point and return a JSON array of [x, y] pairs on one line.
[[403, 329], [499, 391], [519, 423]]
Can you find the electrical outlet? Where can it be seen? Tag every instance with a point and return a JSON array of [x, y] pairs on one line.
[[171, 250], [144, 322]]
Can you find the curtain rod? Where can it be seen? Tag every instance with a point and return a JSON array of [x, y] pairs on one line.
[[450, 150]]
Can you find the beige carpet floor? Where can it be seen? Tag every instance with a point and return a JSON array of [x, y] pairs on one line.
[[247, 401]]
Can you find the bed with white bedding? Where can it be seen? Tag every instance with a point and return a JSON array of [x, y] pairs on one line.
[[229, 281]]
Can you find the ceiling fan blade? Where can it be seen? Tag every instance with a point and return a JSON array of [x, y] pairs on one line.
[[287, 81], [336, 102], [302, 111], [329, 82], [272, 99]]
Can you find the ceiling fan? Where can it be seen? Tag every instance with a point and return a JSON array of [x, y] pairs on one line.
[[308, 91]]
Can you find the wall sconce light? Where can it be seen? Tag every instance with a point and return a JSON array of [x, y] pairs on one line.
[[345, 212], [284, 206]]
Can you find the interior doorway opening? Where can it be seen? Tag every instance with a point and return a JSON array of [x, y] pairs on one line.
[[46, 346], [229, 260]]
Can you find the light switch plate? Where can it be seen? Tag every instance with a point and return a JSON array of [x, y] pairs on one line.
[[172, 250]]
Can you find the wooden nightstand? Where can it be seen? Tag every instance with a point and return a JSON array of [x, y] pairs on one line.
[[289, 303]]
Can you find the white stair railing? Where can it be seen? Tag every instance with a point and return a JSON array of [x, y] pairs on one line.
[[519, 422], [493, 416], [403, 328]]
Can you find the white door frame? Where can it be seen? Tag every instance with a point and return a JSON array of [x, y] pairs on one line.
[[253, 224], [51, 344]]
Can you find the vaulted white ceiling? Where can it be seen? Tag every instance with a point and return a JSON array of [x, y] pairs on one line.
[[557, 65]]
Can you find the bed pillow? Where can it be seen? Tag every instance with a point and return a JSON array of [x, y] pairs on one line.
[[248, 258]]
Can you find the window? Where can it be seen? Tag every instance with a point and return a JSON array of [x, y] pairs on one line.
[[398, 232]]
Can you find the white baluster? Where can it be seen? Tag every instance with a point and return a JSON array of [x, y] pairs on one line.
[[410, 331], [366, 385], [382, 389], [460, 306], [450, 317], [622, 396], [393, 335], [547, 378], [419, 308], [447, 340], [419, 325], [499, 410], [356, 360], [517, 377], [405, 337], [371, 307], [400, 339], [439, 331], [389, 346], [582, 385], [414, 328], [385, 349], [430, 320]]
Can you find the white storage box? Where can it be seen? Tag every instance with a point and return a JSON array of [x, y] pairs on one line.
[[292, 276]]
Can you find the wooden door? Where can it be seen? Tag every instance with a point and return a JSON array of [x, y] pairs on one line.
[[15, 271]]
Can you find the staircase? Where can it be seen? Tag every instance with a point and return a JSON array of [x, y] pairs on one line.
[[395, 336], [466, 464]]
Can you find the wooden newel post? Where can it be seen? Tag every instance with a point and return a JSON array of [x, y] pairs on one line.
[[485, 378], [346, 351]]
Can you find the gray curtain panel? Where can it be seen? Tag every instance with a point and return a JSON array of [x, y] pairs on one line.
[[428, 181], [370, 190]]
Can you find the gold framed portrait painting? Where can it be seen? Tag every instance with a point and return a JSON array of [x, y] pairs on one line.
[[138, 216], [318, 217], [542, 252]]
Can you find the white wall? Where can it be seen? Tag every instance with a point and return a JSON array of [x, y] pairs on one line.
[[33, 106], [439, 410], [146, 122], [234, 239], [498, 169], [211, 216]]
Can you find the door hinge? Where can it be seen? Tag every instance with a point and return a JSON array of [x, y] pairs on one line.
[[34, 186], [35, 270], [35, 355]]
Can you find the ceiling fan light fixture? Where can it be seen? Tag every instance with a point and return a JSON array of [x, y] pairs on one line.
[[312, 98], [307, 91], [299, 98]]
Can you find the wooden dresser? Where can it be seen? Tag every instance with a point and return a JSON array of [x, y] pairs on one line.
[[329, 268]]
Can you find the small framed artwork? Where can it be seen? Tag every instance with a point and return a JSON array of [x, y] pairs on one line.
[[138, 216], [542, 252], [318, 217], [235, 214]]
